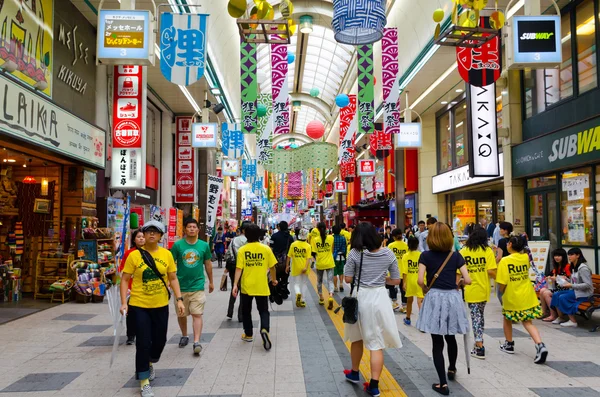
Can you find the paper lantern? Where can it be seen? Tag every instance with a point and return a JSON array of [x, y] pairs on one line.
[[315, 129], [261, 110], [342, 100], [314, 92], [438, 15], [236, 8], [291, 57], [358, 22]]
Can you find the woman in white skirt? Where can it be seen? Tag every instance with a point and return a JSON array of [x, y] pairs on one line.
[[376, 327], [443, 313]]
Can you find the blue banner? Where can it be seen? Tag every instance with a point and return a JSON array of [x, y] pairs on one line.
[[233, 140]]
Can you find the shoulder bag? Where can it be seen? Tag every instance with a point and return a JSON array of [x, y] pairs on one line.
[[350, 303], [436, 275], [149, 261], [230, 262]]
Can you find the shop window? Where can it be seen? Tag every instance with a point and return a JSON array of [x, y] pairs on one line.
[[577, 211], [445, 142], [543, 181], [460, 131], [586, 46]]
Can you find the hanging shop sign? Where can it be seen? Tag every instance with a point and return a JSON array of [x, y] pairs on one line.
[[483, 133], [31, 118], [573, 146], [480, 66], [329, 189], [366, 167], [534, 42], [249, 86], [172, 227], [127, 169], [459, 178], [366, 89], [340, 187], [348, 128], [215, 186], [391, 83], [280, 89], [232, 140], [129, 106], [185, 161], [182, 47], [410, 135], [26, 42], [204, 135], [125, 37], [231, 167]]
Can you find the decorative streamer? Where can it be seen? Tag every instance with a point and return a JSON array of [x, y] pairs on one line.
[[294, 185], [313, 155], [366, 89], [348, 127], [391, 80], [281, 100], [249, 87]]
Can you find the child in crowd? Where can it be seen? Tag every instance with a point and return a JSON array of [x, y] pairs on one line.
[[410, 277], [519, 301], [299, 255], [399, 248]]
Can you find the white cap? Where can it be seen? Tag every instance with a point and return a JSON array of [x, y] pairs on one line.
[[155, 224], [303, 234]]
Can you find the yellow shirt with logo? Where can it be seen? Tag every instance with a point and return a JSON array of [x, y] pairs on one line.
[[324, 252], [478, 263], [147, 290], [255, 259], [410, 273], [299, 253], [346, 235], [399, 248], [519, 294], [313, 233]]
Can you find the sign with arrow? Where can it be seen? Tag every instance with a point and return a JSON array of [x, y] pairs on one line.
[[483, 131]]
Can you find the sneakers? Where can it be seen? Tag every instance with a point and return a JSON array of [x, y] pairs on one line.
[[407, 321], [373, 391], [395, 306], [330, 304], [321, 301], [541, 353], [183, 342], [336, 290], [130, 340], [147, 391], [247, 338], [568, 324], [341, 289], [508, 347], [351, 376], [197, 348], [479, 352], [264, 334], [299, 301], [402, 309], [152, 373], [558, 321]]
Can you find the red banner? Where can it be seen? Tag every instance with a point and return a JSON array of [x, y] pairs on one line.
[[172, 227], [128, 109], [348, 139], [329, 191], [185, 160]]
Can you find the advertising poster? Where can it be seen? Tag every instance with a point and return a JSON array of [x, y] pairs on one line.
[[172, 227], [539, 251], [576, 223]]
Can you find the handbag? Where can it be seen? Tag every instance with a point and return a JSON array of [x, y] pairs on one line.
[[350, 303], [223, 286], [435, 276]]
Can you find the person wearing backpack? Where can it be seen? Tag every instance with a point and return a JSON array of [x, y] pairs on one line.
[[150, 268], [232, 251]]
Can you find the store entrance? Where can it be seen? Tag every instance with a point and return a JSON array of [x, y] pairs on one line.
[[543, 217]]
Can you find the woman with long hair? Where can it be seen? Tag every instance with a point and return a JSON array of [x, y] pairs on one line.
[[443, 313], [481, 265], [137, 241], [578, 289], [367, 266], [560, 267], [322, 250]]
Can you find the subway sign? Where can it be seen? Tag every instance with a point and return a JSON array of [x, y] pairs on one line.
[[535, 42], [566, 148]]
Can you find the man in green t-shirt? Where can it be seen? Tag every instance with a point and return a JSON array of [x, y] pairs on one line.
[[189, 254]]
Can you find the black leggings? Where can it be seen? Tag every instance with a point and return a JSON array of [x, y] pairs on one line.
[[438, 355]]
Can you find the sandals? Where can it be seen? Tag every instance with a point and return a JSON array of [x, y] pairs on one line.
[[443, 390], [183, 342], [451, 374], [549, 319]]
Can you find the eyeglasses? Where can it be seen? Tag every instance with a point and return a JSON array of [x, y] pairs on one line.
[[152, 232]]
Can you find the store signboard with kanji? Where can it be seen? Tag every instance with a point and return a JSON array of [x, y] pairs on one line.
[[215, 186], [204, 135], [125, 37], [366, 167], [129, 106], [480, 66], [340, 187], [128, 168], [185, 161]]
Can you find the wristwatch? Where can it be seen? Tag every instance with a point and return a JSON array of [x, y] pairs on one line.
[[180, 299]]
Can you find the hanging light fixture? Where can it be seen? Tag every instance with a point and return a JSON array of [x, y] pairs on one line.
[[29, 179], [306, 24], [358, 23], [296, 106], [44, 191]]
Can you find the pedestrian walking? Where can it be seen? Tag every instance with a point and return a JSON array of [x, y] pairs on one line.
[[409, 271], [137, 241], [340, 247], [298, 262], [219, 244], [399, 248], [232, 252], [322, 250]]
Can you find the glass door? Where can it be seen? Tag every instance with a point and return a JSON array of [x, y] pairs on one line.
[[543, 215]]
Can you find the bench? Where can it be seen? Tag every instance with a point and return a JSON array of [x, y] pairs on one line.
[[593, 303]]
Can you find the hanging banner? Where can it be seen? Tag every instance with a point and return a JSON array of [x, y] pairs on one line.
[[483, 134], [215, 186], [294, 185], [204, 135], [231, 167], [480, 66], [264, 129], [380, 140], [328, 189], [232, 140], [366, 167], [366, 89], [390, 83], [280, 89], [340, 187], [127, 170], [249, 86], [185, 161], [172, 227], [129, 106], [182, 47], [125, 37], [348, 128]]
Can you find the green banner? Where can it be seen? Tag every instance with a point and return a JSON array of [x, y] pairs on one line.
[[566, 148], [264, 137], [311, 156], [249, 86], [366, 89]]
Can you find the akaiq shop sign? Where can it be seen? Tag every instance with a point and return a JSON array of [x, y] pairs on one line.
[[569, 147]]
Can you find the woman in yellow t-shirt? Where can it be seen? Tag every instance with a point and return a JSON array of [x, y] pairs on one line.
[[298, 261], [322, 250], [399, 248], [410, 277], [481, 265], [519, 302]]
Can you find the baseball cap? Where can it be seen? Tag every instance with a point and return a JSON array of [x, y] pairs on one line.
[[303, 234], [154, 224]]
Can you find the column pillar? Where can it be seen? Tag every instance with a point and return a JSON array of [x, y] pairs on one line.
[[429, 203], [399, 180]]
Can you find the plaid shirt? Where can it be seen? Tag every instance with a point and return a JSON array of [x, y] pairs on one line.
[[339, 245]]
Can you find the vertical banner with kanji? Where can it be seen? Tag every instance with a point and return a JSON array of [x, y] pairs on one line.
[[215, 186], [249, 86], [264, 131], [232, 140], [279, 76], [390, 83], [348, 128], [185, 161], [172, 227], [366, 89]]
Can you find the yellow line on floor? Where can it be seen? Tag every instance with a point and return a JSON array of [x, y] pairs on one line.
[[387, 384]]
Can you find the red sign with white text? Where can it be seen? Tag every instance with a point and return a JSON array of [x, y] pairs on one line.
[[128, 109], [366, 167], [340, 186], [172, 227], [185, 160]]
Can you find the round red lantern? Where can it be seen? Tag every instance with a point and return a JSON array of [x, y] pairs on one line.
[[315, 129]]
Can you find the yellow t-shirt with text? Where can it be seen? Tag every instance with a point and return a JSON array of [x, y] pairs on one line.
[[255, 259], [399, 248], [147, 290], [513, 271], [478, 263], [324, 251], [410, 273], [346, 235], [299, 253]]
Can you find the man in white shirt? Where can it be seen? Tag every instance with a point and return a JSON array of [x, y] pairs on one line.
[[423, 236]]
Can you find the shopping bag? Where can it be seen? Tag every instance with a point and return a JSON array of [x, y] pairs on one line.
[[224, 283]]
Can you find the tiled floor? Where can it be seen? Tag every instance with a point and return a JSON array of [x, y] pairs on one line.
[[65, 351], [10, 311]]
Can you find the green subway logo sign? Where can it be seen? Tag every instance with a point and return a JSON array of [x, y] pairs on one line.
[[536, 36]]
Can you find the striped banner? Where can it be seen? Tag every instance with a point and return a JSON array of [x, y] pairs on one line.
[[294, 185], [281, 97], [249, 86], [264, 132], [232, 140], [366, 89], [348, 128], [391, 80]]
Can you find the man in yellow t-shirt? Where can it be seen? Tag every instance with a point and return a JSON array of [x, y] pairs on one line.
[[254, 260], [399, 248], [298, 257], [344, 232]]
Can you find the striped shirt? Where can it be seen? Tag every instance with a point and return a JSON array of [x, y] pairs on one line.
[[375, 267]]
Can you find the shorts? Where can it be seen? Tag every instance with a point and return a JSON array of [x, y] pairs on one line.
[[339, 268], [193, 303], [517, 316]]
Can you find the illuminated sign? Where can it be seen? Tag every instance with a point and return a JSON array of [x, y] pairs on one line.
[[124, 37], [340, 186], [410, 135], [535, 42], [204, 135], [483, 133]]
